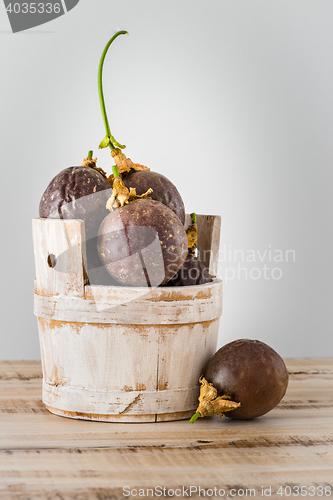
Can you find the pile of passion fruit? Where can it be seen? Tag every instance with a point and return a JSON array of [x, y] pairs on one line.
[[134, 218], [136, 236]]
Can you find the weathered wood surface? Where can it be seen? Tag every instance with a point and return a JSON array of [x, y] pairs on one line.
[[209, 230], [122, 306], [43, 456], [60, 257], [124, 370]]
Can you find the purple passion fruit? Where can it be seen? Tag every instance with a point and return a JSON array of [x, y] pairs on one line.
[[251, 373], [164, 190], [142, 243], [192, 272], [77, 193]]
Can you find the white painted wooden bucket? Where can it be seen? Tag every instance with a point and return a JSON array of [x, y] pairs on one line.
[[121, 354]]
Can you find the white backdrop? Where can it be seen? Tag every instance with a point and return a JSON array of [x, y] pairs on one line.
[[232, 100]]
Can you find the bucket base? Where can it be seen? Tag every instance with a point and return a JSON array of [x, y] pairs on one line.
[[163, 417]]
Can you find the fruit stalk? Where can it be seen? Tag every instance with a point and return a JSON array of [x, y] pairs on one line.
[[108, 140], [212, 404], [192, 235], [115, 171], [194, 417], [121, 195]]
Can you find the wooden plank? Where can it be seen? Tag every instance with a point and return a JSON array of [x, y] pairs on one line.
[[209, 242], [120, 403], [281, 427], [60, 257], [21, 370], [115, 295], [102, 473], [309, 365], [209, 231], [101, 357], [183, 356], [129, 311], [45, 456], [304, 416]]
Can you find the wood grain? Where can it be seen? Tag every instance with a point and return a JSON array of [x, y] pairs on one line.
[[123, 308], [60, 256], [124, 370], [43, 456]]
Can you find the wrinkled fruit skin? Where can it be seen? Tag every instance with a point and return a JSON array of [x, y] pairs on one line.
[[164, 190], [142, 244], [77, 193], [252, 373], [192, 272]]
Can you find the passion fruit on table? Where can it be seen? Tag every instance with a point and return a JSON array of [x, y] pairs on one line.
[[244, 379]]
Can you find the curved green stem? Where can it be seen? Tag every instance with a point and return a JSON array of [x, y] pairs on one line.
[[194, 417], [100, 87], [194, 218]]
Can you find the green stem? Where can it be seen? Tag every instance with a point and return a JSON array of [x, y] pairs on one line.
[[194, 218], [100, 85], [90, 154], [115, 171], [194, 417]]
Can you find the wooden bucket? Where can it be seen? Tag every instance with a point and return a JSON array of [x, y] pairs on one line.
[[121, 354]]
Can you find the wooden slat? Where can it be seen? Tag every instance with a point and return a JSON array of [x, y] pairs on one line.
[[45, 456], [22, 370], [209, 232], [209, 242], [60, 257], [102, 473], [306, 399], [33, 427], [121, 402], [129, 311], [310, 365]]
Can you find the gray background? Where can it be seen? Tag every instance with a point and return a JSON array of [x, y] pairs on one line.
[[231, 99]]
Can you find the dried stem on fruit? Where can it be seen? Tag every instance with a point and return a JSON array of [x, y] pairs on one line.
[[91, 162], [124, 164], [192, 235], [212, 404], [120, 194]]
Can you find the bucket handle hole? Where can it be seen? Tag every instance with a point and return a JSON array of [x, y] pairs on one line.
[[51, 260]]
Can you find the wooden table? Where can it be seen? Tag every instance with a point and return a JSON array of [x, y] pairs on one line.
[[45, 456]]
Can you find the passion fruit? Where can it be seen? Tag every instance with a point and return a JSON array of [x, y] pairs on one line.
[[251, 373], [192, 272], [77, 193], [163, 190], [142, 243]]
